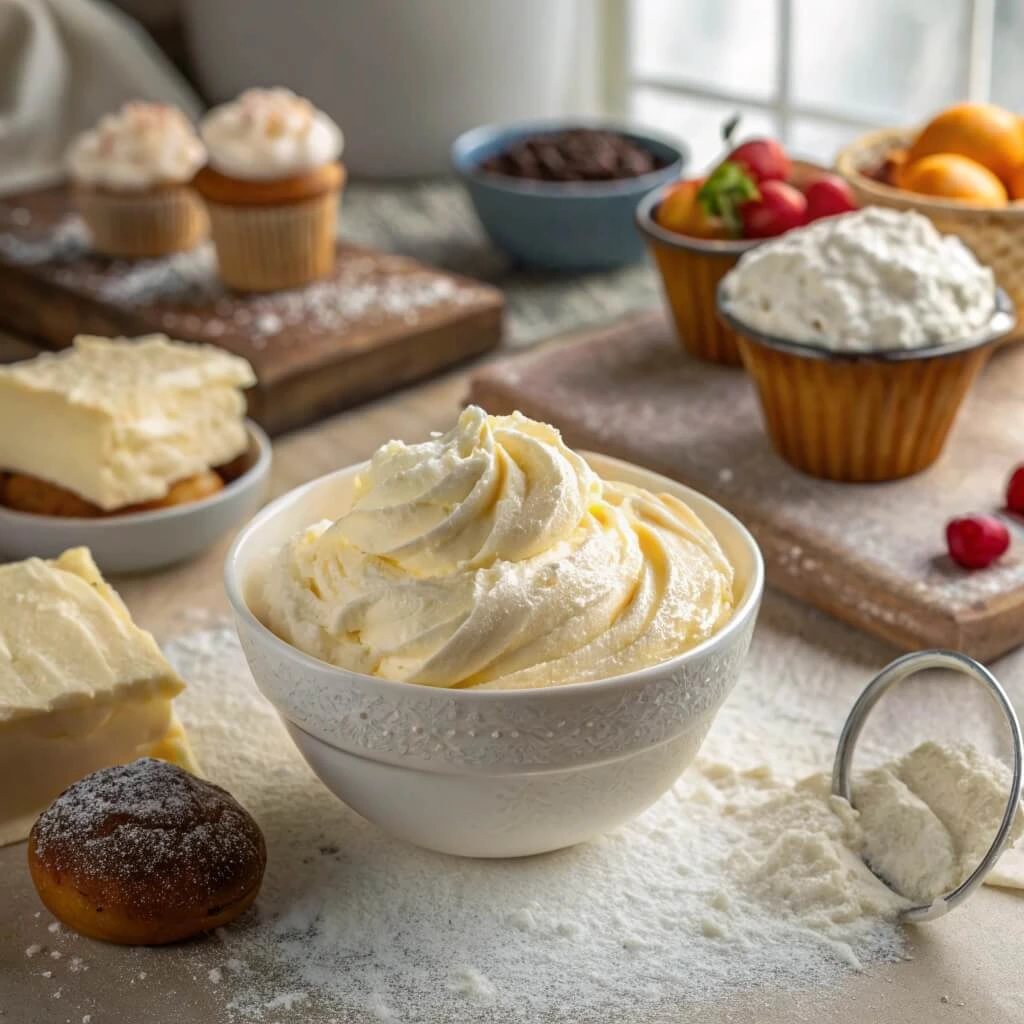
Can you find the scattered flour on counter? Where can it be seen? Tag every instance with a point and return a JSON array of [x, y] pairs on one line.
[[737, 879], [66, 242]]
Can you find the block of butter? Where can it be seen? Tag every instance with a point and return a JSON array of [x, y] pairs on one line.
[[118, 421], [81, 686]]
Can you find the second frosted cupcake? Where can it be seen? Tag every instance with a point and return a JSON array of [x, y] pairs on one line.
[[131, 180], [272, 188]]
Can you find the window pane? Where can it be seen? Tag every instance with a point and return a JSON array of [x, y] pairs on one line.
[[819, 140], [698, 123], [726, 44], [894, 61], [1007, 67]]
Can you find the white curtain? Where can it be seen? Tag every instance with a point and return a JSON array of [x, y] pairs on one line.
[[63, 63], [601, 85]]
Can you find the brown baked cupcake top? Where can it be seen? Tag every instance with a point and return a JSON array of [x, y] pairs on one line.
[[152, 837]]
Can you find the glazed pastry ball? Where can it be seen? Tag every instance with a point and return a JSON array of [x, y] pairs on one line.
[[144, 854]]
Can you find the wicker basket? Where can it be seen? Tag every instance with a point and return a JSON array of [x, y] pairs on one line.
[[996, 237]]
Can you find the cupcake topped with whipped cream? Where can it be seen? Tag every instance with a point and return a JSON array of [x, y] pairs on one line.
[[141, 146], [272, 188], [270, 133], [131, 178]]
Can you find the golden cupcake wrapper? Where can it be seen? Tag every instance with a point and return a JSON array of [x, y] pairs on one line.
[[859, 420], [265, 248], [690, 280], [168, 219]]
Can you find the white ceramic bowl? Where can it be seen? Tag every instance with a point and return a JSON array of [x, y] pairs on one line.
[[145, 540], [493, 773]]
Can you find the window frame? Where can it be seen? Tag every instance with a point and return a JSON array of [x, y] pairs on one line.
[[781, 105]]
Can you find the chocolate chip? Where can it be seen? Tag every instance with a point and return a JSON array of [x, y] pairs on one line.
[[582, 154]]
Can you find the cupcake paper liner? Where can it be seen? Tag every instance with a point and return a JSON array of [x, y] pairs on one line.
[[860, 420], [690, 280], [147, 224], [266, 248]]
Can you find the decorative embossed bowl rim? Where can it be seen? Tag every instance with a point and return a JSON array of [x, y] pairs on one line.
[[730, 531]]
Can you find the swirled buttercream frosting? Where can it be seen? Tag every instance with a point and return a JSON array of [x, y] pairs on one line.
[[494, 556]]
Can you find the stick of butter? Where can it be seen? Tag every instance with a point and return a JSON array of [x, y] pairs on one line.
[[81, 686]]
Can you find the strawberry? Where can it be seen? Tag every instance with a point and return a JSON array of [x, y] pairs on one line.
[[827, 196], [763, 159], [725, 192], [779, 208]]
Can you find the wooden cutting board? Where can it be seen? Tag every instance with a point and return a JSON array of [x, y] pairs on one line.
[[380, 321], [872, 555]]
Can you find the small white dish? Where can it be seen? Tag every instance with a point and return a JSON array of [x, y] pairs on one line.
[[142, 541], [494, 773]]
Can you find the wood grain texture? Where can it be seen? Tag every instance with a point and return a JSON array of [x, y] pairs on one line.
[[378, 322], [872, 555]]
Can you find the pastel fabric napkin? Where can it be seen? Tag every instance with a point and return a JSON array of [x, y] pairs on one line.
[[64, 63]]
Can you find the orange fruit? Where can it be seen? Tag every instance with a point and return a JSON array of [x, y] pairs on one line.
[[892, 167], [1017, 183], [952, 176], [983, 132], [675, 208], [679, 211]]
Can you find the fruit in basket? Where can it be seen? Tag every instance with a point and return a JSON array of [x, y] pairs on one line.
[[680, 211], [750, 194], [952, 176], [982, 132], [828, 196], [762, 159], [727, 189], [889, 171], [779, 208], [1016, 183]]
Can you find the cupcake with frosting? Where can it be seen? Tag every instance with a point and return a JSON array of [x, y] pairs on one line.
[[131, 177], [272, 187]]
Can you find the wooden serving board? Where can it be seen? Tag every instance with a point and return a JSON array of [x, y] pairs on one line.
[[872, 555], [380, 321]]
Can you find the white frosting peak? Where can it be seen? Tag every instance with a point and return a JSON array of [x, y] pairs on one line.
[[269, 133], [139, 146], [877, 279], [494, 556]]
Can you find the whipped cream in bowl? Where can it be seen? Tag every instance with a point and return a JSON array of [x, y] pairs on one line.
[[140, 146], [878, 283], [494, 556], [269, 134], [492, 645]]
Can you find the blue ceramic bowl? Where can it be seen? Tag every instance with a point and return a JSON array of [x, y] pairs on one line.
[[575, 225]]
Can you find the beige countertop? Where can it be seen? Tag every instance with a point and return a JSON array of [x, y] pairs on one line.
[[965, 968]]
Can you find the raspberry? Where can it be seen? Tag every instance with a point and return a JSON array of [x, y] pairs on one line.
[[976, 541], [1015, 492]]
